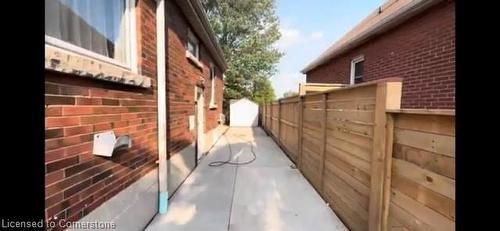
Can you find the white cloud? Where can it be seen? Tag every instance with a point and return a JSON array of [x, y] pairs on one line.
[[287, 82], [289, 37], [292, 37], [296, 44], [317, 35]]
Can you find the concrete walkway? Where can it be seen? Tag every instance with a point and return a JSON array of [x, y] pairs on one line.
[[267, 194]]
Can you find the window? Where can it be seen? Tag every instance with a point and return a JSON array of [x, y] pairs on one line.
[[99, 29], [193, 45], [193, 50], [357, 70], [212, 86]]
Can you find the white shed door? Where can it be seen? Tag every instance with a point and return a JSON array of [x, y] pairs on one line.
[[244, 113]]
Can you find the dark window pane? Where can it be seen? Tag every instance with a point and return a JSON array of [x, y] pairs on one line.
[[191, 47], [358, 80], [358, 69]]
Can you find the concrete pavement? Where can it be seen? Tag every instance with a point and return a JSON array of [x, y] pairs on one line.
[[267, 194]]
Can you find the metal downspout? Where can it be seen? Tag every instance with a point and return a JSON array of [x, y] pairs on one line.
[[162, 107]]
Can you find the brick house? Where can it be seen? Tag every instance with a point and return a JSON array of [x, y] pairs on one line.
[[149, 69], [411, 39]]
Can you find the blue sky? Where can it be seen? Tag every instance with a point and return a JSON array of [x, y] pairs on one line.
[[307, 28]]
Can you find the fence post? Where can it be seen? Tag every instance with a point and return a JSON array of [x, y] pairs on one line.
[[261, 109], [323, 139], [263, 117], [266, 113], [266, 125], [388, 96], [299, 131], [388, 171], [279, 121], [271, 118]]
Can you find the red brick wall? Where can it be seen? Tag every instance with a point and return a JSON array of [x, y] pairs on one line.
[[182, 78], [421, 51], [76, 181]]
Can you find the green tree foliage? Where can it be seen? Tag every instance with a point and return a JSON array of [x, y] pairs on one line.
[[246, 30], [263, 91]]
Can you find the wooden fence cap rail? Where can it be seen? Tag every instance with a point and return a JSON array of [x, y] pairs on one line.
[[347, 87], [323, 84], [450, 112]]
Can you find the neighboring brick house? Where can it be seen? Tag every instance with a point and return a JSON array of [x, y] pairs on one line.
[[137, 68], [411, 39]]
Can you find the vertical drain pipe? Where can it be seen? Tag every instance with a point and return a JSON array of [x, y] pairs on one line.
[[162, 106]]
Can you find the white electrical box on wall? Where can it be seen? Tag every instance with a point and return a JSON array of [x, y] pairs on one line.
[[106, 142]]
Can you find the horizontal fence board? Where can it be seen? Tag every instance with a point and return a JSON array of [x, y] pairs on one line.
[[439, 203], [312, 114], [362, 176], [361, 141], [425, 178], [290, 100], [313, 105], [311, 142], [311, 131], [425, 214], [440, 164], [351, 115], [311, 155], [354, 184], [343, 210], [313, 127], [289, 123], [289, 140], [353, 104], [352, 149], [357, 202], [354, 93], [406, 219], [335, 100], [358, 129], [399, 228], [438, 124], [311, 171], [312, 98], [441, 144], [395, 225], [349, 158]]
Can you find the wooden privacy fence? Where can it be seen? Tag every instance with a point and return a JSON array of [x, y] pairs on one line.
[[379, 167]]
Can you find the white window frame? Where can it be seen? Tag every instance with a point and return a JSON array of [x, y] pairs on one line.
[[212, 86], [131, 40], [358, 59]]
